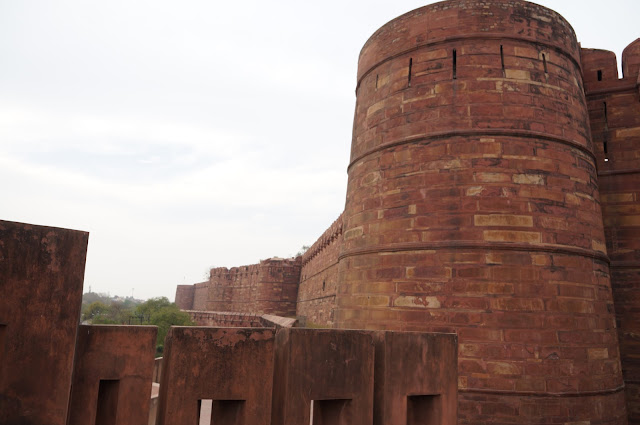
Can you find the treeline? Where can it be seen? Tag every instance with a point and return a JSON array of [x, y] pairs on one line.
[[159, 312]]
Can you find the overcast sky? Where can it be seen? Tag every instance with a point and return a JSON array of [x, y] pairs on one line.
[[192, 134]]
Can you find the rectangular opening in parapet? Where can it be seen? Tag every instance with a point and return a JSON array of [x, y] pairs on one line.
[[331, 412], [3, 339], [424, 409], [107, 409], [599, 75], [220, 412]]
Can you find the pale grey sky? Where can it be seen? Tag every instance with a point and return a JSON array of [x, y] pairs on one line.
[[184, 135]]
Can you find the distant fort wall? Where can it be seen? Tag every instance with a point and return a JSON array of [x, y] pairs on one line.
[[269, 287]]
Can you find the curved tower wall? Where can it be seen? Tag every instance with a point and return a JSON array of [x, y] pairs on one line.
[[614, 110], [472, 206]]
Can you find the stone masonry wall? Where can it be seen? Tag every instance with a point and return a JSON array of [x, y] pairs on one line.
[[201, 296], [184, 296], [227, 319], [614, 112], [319, 277], [473, 207], [269, 287]]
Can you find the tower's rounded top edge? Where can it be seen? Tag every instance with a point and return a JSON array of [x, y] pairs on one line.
[[458, 18]]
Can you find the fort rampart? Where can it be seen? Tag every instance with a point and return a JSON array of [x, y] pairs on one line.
[[319, 277], [494, 191], [614, 112], [270, 287]]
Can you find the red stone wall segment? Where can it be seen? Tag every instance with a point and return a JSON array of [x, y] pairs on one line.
[[223, 319], [270, 287], [185, 296], [319, 277], [112, 375], [228, 370], [416, 378], [473, 207], [324, 373], [41, 276], [614, 110]]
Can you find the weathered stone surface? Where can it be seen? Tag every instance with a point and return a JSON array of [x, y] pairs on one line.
[[472, 168], [270, 287], [319, 278], [614, 111], [331, 370], [416, 378], [478, 182], [41, 276], [231, 367], [112, 362]]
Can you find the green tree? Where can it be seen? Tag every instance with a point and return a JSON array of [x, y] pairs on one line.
[[164, 319], [152, 305], [94, 310], [163, 314]]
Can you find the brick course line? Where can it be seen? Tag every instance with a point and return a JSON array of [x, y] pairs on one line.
[[543, 394], [471, 133], [494, 246], [618, 172]]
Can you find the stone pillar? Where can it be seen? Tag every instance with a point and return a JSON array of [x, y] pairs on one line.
[[226, 373], [112, 375], [41, 276], [326, 375]]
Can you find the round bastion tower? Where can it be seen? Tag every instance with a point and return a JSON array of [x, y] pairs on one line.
[[472, 207]]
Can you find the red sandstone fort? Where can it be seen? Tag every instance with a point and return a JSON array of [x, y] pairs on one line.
[[493, 193]]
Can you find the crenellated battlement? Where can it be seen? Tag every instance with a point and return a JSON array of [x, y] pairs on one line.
[[328, 237]]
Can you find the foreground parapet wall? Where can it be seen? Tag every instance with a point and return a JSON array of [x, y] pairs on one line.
[[41, 276], [323, 377], [226, 371], [113, 370], [416, 380], [472, 207], [614, 111]]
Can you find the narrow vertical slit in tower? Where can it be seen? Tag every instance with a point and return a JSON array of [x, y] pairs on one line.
[[599, 75], [606, 133], [410, 68], [455, 64], [377, 76], [544, 62], [502, 56]]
